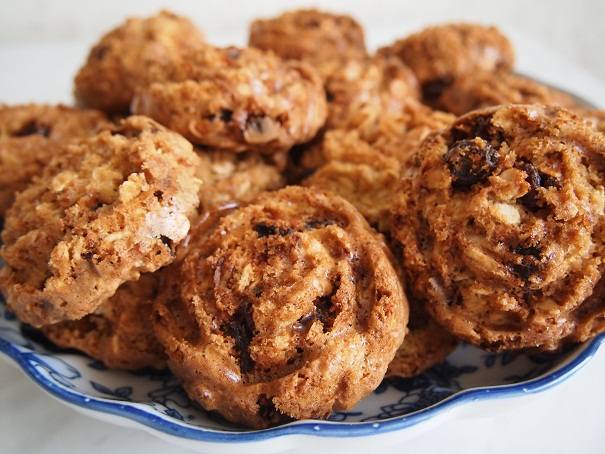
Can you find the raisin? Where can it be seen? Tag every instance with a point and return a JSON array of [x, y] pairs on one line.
[[241, 329], [312, 224], [158, 195], [470, 162], [524, 270], [33, 127], [262, 230], [226, 115], [431, 90], [304, 322], [536, 179], [325, 309], [533, 251], [480, 126], [233, 53]]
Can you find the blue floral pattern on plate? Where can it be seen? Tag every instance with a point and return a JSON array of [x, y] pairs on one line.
[[154, 398]]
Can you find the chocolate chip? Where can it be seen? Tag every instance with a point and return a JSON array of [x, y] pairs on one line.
[[263, 229], [431, 90], [33, 127], [167, 241], [158, 195], [470, 162], [226, 115], [533, 251], [524, 270], [241, 329]]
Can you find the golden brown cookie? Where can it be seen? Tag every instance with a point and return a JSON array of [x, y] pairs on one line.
[[500, 221], [132, 55], [288, 309], [365, 169], [232, 178], [30, 135], [484, 89], [440, 54], [104, 210], [238, 100], [358, 172], [324, 40], [119, 332], [364, 92]]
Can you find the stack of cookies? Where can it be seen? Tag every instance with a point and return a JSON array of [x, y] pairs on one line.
[[284, 225]]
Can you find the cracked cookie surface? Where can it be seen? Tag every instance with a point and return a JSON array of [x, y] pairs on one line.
[[238, 100], [500, 219], [287, 308], [104, 210]]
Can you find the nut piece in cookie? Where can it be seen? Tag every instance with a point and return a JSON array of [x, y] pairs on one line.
[[485, 89], [134, 54], [440, 54], [501, 224], [119, 332], [324, 40], [288, 309], [104, 210], [238, 100], [362, 93], [31, 134]]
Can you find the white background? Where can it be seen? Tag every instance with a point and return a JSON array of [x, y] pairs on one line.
[[41, 45]]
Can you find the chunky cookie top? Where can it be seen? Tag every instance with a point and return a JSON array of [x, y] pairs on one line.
[[500, 220], [104, 210], [238, 100], [286, 308]]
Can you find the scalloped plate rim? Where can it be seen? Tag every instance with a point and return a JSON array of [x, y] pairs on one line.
[[315, 428]]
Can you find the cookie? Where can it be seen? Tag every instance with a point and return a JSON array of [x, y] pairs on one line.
[[30, 135], [362, 93], [288, 309], [132, 55], [440, 54], [484, 89], [596, 118], [234, 178], [104, 210], [119, 332], [324, 40], [358, 172], [238, 100], [500, 219], [365, 170]]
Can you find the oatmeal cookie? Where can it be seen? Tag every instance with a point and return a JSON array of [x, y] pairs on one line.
[[484, 89], [31, 134], [133, 55], [358, 172], [324, 40], [500, 219], [238, 100], [290, 308], [362, 93], [104, 210], [439, 55], [366, 170], [231, 178], [119, 332]]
